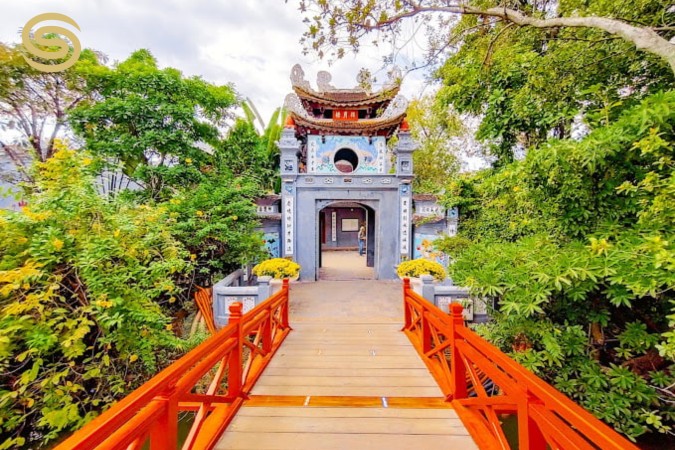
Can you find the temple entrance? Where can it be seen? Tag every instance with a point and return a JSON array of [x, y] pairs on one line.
[[339, 257]]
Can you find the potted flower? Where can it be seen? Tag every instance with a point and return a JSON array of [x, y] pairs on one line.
[[278, 268], [417, 267]]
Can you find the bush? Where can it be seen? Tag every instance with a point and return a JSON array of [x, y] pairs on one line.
[[277, 268], [576, 244], [81, 284], [216, 221], [417, 267]]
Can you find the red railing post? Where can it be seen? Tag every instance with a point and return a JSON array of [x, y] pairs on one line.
[[266, 329], [530, 436], [164, 432], [234, 381], [406, 309], [426, 331], [457, 367], [284, 308]]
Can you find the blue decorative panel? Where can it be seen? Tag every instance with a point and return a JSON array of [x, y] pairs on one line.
[[272, 244], [370, 151], [453, 213], [424, 249]]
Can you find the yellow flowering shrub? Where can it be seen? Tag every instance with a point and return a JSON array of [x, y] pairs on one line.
[[80, 277], [417, 267], [277, 268]]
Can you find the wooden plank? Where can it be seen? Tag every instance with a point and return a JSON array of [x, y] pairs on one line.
[[350, 425], [340, 441], [320, 411], [376, 391], [383, 340], [319, 363], [369, 331], [367, 326], [364, 332], [346, 350], [415, 405], [342, 372], [276, 380], [285, 360]]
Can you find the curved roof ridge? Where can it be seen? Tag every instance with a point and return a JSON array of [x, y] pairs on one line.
[[343, 97]]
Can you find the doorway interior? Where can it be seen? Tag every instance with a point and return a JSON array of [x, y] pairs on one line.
[[338, 254]]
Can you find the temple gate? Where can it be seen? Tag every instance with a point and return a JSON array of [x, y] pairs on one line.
[[337, 173]]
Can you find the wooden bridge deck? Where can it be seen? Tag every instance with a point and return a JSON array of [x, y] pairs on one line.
[[346, 377]]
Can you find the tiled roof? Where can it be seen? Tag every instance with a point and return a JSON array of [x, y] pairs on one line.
[[353, 127], [420, 219], [346, 98], [270, 216], [268, 200], [425, 197]]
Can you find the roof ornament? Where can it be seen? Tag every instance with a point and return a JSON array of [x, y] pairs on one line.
[[323, 79], [292, 103], [397, 107], [298, 77]]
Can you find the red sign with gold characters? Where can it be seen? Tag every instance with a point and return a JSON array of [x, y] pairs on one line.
[[345, 114]]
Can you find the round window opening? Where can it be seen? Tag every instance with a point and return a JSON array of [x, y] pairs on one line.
[[346, 160]]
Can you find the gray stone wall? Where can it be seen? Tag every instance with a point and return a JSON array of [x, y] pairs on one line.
[[378, 192]]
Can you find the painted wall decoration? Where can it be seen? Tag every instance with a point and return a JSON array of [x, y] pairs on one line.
[[453, 218], [443, 302], [453, 213], [430, 209], [289, 228], [424, 248], [405, 225], [333, 226], [271, 241], [371, 153], [267, 209], [452, 228]]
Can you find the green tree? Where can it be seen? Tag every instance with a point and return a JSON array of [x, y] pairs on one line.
[[35, 105], [215, 219], [149, 121], [83, 281], [575, 244], [528, 72], [433, 127], [267, 153], [336, 26]]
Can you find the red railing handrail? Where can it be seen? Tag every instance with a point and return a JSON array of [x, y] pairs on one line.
[[164, 390], [528, 395]]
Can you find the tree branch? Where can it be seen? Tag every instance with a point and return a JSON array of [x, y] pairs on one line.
[[494, 41], [644, 38]]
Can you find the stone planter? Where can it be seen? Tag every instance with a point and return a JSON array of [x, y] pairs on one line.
[[419, 284]]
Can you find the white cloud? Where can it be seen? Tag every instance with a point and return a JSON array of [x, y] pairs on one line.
[[250, 43]]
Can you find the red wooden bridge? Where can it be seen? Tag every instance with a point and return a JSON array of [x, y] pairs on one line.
[[345, 376]]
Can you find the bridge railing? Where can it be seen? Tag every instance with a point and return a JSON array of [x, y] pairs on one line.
[[212, 381], [482, 383]]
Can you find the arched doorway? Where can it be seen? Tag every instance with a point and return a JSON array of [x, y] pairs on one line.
[[338, 255]]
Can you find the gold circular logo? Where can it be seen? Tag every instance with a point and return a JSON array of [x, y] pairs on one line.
[[54, 41]]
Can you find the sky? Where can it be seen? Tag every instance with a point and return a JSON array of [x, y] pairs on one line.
[[250, 43]]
